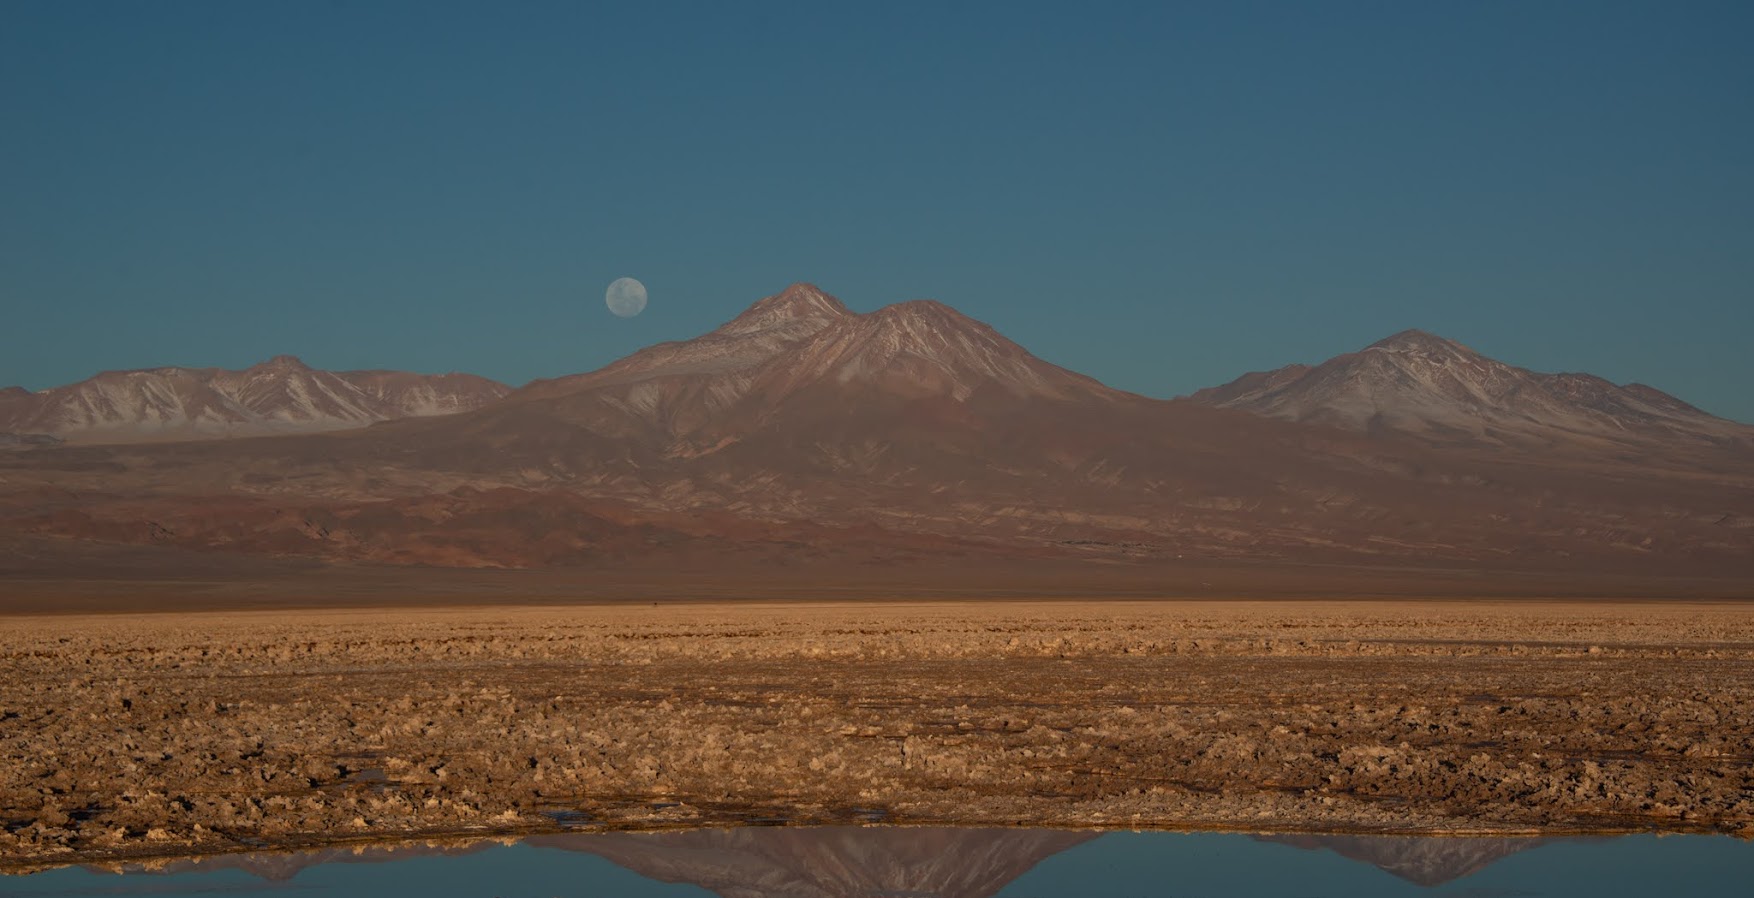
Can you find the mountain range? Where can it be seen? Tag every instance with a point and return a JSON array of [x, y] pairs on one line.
[[281, 395], [800, 429]]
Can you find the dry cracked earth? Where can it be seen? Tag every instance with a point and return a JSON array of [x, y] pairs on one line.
[[128, 736]]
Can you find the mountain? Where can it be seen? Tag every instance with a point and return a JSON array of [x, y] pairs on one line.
[[801, 341], [763, 331], [801, 430], [912, 418], [920, 349], [677, 388], [281, 395], [1442, 392]]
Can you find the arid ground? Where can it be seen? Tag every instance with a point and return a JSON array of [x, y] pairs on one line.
[[129, 735]]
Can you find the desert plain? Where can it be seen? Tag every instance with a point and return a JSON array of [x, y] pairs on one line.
[[133, 735]]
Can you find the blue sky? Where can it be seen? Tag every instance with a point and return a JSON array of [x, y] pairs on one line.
[[1161, 195]]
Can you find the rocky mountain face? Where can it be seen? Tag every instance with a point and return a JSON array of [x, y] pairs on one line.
[[281, 395], [800, 429], [1442, 392]]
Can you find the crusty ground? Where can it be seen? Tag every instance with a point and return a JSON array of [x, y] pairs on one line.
[[171, 734]]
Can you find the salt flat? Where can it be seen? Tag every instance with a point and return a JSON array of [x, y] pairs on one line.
[[128, 735]]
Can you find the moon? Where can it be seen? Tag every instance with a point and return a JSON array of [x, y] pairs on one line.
[[625, 297]]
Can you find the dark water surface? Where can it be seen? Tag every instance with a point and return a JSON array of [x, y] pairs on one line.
[[844, 862]]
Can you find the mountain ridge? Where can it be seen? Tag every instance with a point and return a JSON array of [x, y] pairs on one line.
[[279, 395], [802, 428], [1416, 383]]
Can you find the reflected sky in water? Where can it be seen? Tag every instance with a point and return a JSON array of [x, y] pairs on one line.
[[950, 863]]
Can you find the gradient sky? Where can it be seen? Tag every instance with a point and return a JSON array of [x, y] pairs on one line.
[[1161, 195]]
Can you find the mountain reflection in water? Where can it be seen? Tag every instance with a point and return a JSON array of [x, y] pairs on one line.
[[831, 862], [1419, 859], [926, 862]]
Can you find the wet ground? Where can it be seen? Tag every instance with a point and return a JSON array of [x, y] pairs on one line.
[[125, 736]]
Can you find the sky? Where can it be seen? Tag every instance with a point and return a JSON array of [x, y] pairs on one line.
[[1162, 195]]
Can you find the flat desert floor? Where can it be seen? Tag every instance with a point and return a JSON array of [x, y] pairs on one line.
[[131, 735]]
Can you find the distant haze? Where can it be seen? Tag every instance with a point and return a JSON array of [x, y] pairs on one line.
[[1164, 196]]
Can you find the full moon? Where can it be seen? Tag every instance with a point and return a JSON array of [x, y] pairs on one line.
[[626, 297]]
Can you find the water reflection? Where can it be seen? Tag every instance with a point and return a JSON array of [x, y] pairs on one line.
[[1426, 861], [762, 862], [892, 862]]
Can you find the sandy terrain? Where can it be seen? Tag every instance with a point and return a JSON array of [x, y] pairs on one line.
[[136, 735]]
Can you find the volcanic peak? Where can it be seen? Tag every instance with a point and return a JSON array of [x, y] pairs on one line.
[[1422, 353], [927, 310], [722, 357], [929, 328], [922, 347], [282, 362], [1415, 339], [800, 303]]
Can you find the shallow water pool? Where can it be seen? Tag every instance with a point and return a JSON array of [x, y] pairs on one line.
[[894, 862]]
